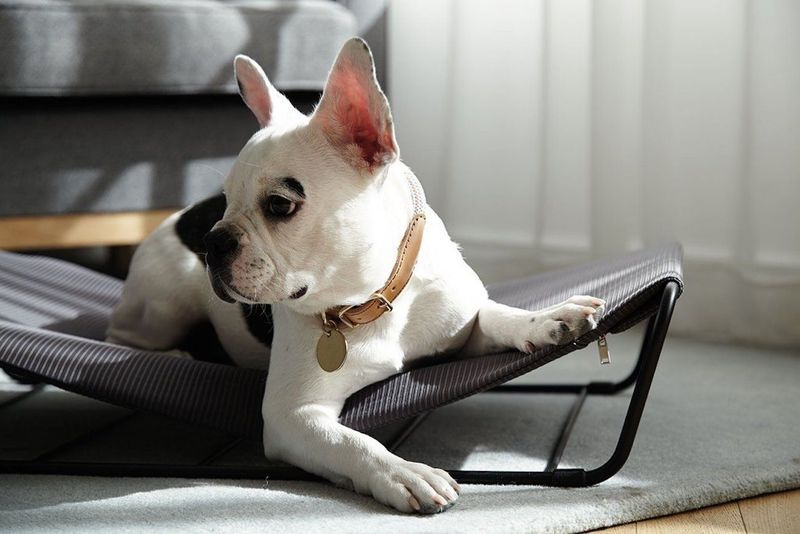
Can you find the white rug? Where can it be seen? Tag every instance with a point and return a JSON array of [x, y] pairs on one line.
[[721, 424]]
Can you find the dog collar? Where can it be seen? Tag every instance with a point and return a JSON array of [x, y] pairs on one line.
[[332, 345]]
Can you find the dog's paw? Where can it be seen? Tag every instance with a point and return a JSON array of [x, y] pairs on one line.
[[414, 488], [563, 323]]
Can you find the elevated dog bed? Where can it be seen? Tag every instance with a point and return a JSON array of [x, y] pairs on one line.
[[53, 316]]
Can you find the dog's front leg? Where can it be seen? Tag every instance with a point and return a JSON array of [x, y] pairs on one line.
[[301, 409], [498, 327], [310, 437]]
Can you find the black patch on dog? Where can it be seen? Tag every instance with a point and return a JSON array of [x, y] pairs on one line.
[[295, 186], [197, 221], [191, 227], [202, 342], [259, 321]]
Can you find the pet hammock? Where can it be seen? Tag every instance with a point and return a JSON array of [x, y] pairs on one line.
[[53, 316]]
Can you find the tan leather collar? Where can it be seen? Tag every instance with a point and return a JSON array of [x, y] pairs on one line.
[[381, 301]]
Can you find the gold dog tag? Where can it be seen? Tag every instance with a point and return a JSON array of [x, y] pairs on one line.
[[331, 349]]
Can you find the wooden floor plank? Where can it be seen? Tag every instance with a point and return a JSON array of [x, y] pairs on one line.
[[721, 519], [78, 230], [775, 513]]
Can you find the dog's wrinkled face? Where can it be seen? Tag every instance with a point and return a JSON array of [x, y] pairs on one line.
[[304, 191]]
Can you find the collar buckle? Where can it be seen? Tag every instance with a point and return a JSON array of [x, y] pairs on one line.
[[384, 302], [344, 320]]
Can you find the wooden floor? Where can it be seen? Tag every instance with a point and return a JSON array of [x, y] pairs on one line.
[[78, 229], [778, 513]]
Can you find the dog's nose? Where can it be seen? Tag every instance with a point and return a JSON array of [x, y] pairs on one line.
[[220, 242]]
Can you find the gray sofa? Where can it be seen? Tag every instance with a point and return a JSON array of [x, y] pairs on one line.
[[131, 105]]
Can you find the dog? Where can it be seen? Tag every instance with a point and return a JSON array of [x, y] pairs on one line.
[[323, 227]]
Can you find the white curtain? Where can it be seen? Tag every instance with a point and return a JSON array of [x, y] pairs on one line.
[[551, 132]]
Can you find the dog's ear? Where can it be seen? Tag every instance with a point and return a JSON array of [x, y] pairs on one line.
[[354, 114], [267, 103]]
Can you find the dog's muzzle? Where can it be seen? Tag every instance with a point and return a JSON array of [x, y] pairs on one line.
[[221, 247]]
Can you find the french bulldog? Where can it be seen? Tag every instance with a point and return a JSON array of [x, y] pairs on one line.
[[316, 217]]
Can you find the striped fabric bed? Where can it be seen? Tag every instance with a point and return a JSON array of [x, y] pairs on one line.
[[53, 316]]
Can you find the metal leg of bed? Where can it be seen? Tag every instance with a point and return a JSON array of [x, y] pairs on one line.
[[642, 377]]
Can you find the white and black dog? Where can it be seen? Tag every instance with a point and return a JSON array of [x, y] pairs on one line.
[[316, 221]]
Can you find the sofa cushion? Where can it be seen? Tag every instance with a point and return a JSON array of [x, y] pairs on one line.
[[120, 153], [97, 47]]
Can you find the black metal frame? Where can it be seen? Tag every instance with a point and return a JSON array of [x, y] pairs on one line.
[[641, 376]]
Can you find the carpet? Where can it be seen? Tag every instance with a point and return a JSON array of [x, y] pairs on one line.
[[721, 424]]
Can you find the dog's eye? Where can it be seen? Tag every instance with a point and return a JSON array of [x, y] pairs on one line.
[[280, 206]]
